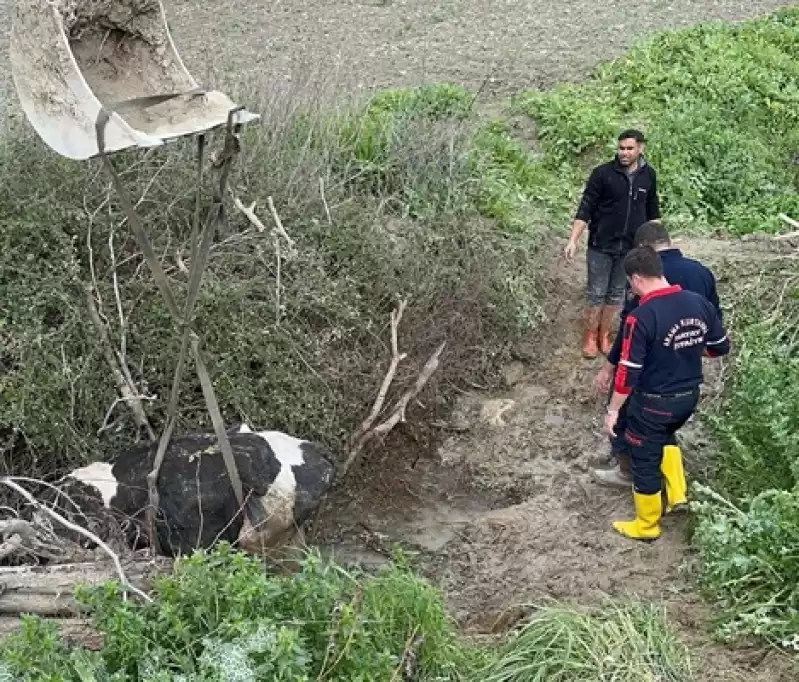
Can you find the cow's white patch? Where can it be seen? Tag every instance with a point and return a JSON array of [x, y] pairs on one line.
[[278, 502], [99, 476]]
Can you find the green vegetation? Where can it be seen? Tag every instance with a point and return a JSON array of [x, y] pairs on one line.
[[220, 618], [718, 103], [386, 199], [409, 194], [627, 642], [720, 106], [748, 521]]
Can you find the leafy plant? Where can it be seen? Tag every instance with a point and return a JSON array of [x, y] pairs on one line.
[[220, 618], [750, 563], [718, 103]]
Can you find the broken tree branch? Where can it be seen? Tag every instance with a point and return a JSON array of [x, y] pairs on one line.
[[126, 391], [49, 591], [396, 358], [11, 483], [324, 201], [790, 221], [398, 412], [366, 431], [277, 233], [279, 223]]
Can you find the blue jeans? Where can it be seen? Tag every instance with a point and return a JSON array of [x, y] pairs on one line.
[[606, 279]]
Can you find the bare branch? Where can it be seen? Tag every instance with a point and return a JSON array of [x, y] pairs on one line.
[[396, 358], [11, 483], [279, 223], [398, 413], [277, 232], [122, 385], [324, 200], [788, 220]]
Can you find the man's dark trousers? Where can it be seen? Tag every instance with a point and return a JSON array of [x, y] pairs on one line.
[[652, 423]]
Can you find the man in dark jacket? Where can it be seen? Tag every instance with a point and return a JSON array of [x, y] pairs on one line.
[[619, 196], [659, 375], [693, 276]]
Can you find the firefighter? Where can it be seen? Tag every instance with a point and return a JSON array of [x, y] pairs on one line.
[[693, 276], [659, 375], [619, 196]]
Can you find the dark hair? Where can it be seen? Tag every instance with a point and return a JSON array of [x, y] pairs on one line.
[[633, 134], [651, 233], [643, 261]]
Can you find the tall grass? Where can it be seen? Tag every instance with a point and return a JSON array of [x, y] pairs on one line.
[[624, 642]]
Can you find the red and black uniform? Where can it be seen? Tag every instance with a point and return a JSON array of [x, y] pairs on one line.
[[690, 274], [660, 369]]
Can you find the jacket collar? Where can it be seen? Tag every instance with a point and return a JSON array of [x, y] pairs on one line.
[[671, 252], [642, 163], [657, 293]]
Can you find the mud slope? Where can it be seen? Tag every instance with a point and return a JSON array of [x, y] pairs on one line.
[[504, 511]]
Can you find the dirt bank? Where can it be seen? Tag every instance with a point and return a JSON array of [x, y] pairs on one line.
[[503, 509]]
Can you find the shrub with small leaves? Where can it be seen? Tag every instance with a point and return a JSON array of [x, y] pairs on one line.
[[220, 618]]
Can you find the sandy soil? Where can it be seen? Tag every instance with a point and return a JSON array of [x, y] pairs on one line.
[[503, 509]]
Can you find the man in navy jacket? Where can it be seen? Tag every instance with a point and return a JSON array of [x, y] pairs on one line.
[[692, 275], [658, 377], [619, 196]]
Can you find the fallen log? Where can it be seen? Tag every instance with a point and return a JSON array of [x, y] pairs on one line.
[[49, 591]]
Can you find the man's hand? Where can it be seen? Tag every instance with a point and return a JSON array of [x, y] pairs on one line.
[[610, 422], [603, 378], [570, 249]]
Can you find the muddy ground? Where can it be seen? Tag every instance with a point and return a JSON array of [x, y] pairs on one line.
[[499, 501], [502, 508]]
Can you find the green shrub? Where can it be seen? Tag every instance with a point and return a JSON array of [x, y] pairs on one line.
[[719, 105], [383, 200], [220, 618], [757, 429], [749, 564], [626, 642], [747, 523]]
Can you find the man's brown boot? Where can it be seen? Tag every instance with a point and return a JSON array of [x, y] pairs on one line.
[[606, 327], [591, 331]]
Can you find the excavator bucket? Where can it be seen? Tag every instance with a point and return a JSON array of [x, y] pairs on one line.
[[72, 59]]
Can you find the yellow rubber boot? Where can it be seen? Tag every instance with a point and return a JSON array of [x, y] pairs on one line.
[[674, 476], [646, 525]]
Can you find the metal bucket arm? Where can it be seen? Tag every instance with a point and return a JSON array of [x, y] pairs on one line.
[[71, 58]]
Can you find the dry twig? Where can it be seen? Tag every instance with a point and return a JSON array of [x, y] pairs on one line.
[[396, 358], [398, 412], [278, 232], [125, 389], [366, 431], [11, 483]]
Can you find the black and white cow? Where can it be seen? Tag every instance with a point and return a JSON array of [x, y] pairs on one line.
[[284, 479]]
